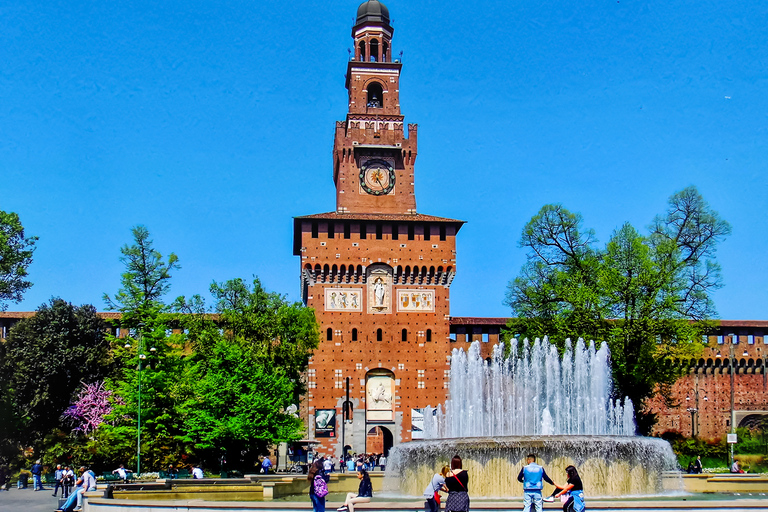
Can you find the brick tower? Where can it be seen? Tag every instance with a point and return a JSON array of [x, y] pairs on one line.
[[376, 272]]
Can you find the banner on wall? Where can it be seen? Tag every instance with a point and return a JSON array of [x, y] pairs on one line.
[[325, 423], [417, 423]]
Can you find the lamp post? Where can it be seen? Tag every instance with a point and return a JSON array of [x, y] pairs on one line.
[[141, 357], [693, 411]]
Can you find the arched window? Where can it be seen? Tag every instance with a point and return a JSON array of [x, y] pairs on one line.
[[374, 50], [361, 46], [379, 335], [375, 95], [405, 335], [329, 334], [429, 334], [385, 52], [354, 334]]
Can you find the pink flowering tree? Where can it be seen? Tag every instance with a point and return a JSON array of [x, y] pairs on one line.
[[90, 407]]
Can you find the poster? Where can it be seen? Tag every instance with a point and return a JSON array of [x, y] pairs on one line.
[[325, 423], [417, 424]]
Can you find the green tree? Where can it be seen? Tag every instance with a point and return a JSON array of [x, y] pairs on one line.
[[648, 296], [15, 257], [145, 280], [149, 358], [43, 362], [245, 370]]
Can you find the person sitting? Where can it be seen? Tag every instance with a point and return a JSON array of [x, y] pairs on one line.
[[197, 472], [122, 473], [364, 493]]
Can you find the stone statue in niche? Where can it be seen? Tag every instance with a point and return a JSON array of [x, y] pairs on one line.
[[380, 290]]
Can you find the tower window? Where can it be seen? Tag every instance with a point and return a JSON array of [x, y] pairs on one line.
[[329, 334], [405, 335], [379, 232], [363, 232], [395, 229], [375, 95], [374, 50], [331, 230], [427, 233], [314, 230], [361, 46], [347, 232], [385, 52], [442, 233], [354, 334], [429, 334], [379, 335], [411, 232]]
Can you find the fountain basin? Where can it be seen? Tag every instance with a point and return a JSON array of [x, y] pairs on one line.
[[608, 465]]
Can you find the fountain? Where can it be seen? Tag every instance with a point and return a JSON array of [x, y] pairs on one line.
[[534, 401]]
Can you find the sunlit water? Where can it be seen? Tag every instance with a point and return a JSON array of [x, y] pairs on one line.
[[560, 407]]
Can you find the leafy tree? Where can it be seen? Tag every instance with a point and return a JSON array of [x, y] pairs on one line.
[[15, 256], [245, 371], [647, 296], [146, 278], [44, 361], [150, 358]]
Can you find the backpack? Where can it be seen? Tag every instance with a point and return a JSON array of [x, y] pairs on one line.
[[320, 487]]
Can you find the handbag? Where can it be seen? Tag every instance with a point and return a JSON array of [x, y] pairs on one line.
[[320, 487], [437, 498]]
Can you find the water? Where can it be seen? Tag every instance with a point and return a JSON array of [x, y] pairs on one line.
[[534, 391], [561, 408]]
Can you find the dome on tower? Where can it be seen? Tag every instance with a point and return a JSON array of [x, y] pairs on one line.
[[372, 11]]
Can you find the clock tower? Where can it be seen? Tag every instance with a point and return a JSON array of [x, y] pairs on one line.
[[376, 272], [372, 156]]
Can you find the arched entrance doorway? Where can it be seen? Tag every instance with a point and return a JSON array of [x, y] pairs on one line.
[[379, 440]]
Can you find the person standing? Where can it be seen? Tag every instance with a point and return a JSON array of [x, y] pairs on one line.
[[531, 476], [318, 489], [266, 464], [37, 475], [698, 467], [431, 493], [58, 476], [383, 462], [67, 481], [574, 490], [457, 482]]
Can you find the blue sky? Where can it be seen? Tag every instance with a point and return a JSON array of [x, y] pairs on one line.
[[212, 124]]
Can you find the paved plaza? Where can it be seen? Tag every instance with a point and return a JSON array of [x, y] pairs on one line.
[[27, 500]]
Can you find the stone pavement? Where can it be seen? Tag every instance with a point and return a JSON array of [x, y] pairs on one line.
[[27, 500]]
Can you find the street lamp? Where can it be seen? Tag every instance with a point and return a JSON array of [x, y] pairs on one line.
[[693, 411], [141, 356]]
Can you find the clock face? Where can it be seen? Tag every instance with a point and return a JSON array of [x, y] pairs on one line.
[[377, 177]]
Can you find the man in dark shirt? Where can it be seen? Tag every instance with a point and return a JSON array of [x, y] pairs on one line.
[[37, 475]]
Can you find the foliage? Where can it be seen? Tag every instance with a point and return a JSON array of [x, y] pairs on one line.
[[15, 256], [647, 296], [245, 371], [43, 362], [155, 380], [150, 359], [146, 278], [89, 408], [236, 404]]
